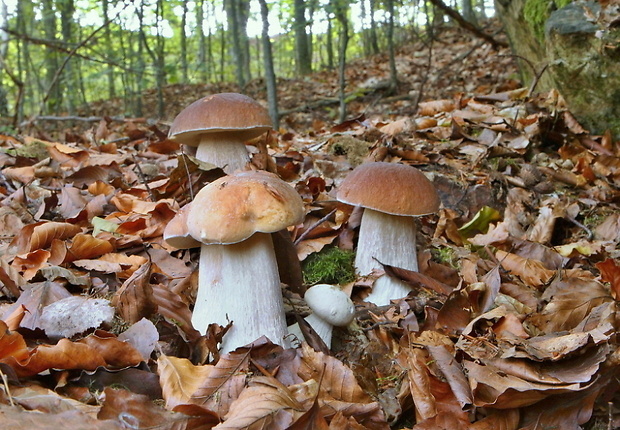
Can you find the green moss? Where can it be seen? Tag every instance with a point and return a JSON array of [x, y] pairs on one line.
[[36, 150], [329, 266], [536, 13]]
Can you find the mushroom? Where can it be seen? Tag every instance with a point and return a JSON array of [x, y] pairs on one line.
[[219, 125], [330, 307], [233, 217], [391, 195], [176, 233]]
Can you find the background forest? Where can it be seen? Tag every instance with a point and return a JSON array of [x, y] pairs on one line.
[[56, 57]]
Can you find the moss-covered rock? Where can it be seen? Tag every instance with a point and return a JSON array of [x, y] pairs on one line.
[[329, 266]]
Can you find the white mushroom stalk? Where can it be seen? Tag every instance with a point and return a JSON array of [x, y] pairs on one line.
[[330, 307], [227, 151], [387, 239], [240, 283]]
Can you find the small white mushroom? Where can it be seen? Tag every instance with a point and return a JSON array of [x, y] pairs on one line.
[[330, 307]]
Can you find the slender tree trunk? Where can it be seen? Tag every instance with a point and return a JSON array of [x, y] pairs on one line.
[[69, 80], [243, 12], [340, 10], [270, 75], [304, 63], [234, 31], [468, 12], [159, 60], [4, 39], [389, 4], [374, 40], [51, 58], [330, 43], [107, 36], [184, 68], [140, 63], [202, 43]]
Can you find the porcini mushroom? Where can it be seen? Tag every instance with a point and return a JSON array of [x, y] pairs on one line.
[[233, 217], [331, 307], [219, 125], [391, 195]]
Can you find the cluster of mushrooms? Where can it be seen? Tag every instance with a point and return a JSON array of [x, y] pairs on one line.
[[232, 220]]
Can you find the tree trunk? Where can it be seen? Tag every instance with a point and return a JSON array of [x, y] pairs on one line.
[[304, 63], [184, 68], [202, 43], [52, 86], [69, 80], [270, 75], [340, 10], [107, 37], [4, 37], [468, 12], [237, 50], [374, 40], [576, 50], [389, 4]]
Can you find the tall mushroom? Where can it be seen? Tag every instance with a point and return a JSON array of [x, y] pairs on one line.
[[233, 217], [391, 195], [219, 125]]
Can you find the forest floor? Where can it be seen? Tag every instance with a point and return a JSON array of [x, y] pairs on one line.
[[512, 317]]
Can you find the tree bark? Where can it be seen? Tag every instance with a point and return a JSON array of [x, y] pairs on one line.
[[304, 63], [270, 75]]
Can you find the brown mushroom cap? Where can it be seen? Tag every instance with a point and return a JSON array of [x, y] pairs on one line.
[[233, 208], [176, 233], [395, 189], [217, 113]]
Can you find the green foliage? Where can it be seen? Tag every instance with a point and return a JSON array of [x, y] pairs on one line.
[[36, 150], [329, 266], [536, 13], [445, 255]]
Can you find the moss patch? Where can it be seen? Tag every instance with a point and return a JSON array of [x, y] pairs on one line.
[[329, 266], [536, 13]]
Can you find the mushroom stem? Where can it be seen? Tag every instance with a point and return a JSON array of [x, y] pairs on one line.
[[391, 239], [226, 150], [321, 327], [240, 283]]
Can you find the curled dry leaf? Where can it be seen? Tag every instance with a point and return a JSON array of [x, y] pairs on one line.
[[532, 272], [75, 314], [40, 235], [134, 300]]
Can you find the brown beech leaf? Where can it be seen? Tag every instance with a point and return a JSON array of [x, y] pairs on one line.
[[532, 272], [41, 234], [432, 108], [134, 300], [339, 390], [224, 383], [610, 272], [64, 355], [16, 419], [114, 351], [570, 301], [35, 297], [172, 307], [30, 264], [180, 379], [506, 419], [419, 379], [85, 246], [567, 412], [417, 279], [262, 405], [12, 344], [135, 410], [10, 279]]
